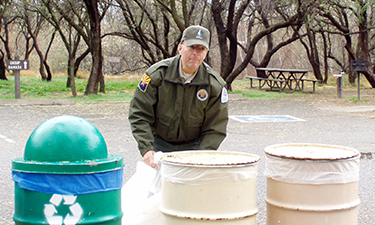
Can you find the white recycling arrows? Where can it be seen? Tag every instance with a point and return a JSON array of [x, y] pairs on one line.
[[52, 215]]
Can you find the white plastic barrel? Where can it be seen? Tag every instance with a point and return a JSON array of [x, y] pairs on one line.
[[209, 187], [312, 184]]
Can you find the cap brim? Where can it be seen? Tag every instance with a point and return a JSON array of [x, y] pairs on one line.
[[196, 42]]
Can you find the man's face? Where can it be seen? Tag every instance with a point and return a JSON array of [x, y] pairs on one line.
[[191, 57]]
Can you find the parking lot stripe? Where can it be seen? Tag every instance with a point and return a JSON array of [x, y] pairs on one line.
[[6, 139]]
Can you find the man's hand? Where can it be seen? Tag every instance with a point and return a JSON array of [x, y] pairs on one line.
[[148, 158]]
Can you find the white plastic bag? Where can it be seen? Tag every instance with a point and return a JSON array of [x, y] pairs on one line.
[[141, 196]]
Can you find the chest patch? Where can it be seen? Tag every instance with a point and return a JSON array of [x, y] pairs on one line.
[[202, 95]]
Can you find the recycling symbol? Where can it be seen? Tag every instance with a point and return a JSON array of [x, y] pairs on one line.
[[52, 216]]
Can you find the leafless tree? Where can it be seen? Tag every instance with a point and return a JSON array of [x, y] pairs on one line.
[[76, 13], [3, 6], [350, 20], [267, 16], [33, 23]]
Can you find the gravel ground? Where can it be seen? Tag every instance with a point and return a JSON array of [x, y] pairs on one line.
[[325, 121]]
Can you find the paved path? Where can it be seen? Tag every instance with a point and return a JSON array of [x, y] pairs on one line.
[[325, 125]]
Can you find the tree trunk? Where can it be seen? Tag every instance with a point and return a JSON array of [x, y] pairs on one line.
[[2, 67], [96, 74], [363, 52], [71, 81], [314, 54], [79, 60]]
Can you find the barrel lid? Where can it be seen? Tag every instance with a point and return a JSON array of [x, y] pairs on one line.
[[305, 151], [208, 158], [66, 144]]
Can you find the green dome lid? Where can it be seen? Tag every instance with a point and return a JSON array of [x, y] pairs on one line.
[[65, 138], [66, 144]]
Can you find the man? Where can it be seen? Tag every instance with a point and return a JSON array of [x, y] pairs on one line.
[[181, 102]]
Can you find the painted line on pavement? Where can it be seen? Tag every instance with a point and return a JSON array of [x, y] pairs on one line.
[[265, 118], [6, 139]]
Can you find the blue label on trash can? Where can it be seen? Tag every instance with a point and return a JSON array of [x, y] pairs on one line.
[[70, 184]]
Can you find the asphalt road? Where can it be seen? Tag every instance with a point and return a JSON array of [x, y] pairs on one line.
[[321, 124]]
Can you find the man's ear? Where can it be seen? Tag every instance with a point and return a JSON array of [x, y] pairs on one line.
[[179, 47]]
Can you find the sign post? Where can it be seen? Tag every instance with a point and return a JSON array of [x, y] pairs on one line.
[[17, 65], [359, 66]]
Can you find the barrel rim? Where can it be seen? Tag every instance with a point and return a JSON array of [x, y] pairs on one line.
[[268, 149], [112, 162], [165, 156]]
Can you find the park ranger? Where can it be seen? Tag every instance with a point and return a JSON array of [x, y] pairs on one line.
[[181, 102]]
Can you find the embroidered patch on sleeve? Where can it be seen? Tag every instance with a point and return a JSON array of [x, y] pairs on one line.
[[224, 95], [144, 83]]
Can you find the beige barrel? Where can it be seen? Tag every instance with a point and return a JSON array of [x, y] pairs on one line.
[[310, 184], [209, 187]]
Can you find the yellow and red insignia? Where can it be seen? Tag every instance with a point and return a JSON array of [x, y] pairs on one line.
[[202, 94], [144, 83]]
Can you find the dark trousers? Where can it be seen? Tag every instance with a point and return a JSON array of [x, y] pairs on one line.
[[165, 146]]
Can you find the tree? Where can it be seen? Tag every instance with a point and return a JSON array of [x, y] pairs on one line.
[[313, 52], [3, 5], [33, 23], [2, 67], [94, 10], [95, 44], [273, 16], [338, 16], [68, 35], [157, 26]]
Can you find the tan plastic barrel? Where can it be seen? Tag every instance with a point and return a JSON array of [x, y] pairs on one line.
[[209, 187], [310, 184]]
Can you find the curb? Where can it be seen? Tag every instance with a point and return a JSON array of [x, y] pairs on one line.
[[6, 102]]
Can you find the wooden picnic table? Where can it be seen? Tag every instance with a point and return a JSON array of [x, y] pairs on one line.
[[284, 80]]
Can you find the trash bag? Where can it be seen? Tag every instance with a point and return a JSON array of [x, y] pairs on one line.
[[141, 196]]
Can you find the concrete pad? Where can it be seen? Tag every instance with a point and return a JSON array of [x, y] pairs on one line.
[[37, 101]]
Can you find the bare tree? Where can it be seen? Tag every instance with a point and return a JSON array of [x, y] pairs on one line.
[[339, 17], [94, 11], [31, 24], [68, 35], [96, 75], [272, 15], [157, 27], [3, 5]]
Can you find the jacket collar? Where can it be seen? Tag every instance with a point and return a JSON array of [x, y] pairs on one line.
[[173, 75]]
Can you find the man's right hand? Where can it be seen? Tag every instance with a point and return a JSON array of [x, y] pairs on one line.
[[148, 158]]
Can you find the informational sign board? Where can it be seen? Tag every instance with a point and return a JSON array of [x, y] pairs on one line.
[[18, 65], [358, 65]]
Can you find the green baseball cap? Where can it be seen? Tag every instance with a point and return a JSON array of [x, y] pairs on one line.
[[196, 35]]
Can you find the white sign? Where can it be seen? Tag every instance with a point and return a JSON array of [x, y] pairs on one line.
[[18, 65]]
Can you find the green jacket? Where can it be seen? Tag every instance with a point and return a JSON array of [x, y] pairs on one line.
[[162, 105]]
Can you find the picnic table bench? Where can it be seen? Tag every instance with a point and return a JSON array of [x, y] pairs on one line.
[[284, 80]]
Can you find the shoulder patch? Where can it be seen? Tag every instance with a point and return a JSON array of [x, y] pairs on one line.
[[143, 84], [224, 95]]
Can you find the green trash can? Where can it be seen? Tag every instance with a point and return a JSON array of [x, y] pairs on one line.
[[67, 177]]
